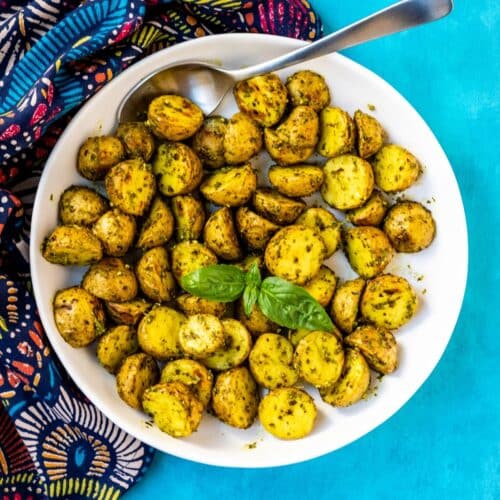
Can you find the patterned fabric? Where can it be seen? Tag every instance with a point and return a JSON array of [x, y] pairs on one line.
[[55, 54]]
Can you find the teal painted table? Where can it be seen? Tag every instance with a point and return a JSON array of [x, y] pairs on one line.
[[445, 443]]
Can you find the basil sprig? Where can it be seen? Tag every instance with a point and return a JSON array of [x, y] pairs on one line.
[[284, 303]]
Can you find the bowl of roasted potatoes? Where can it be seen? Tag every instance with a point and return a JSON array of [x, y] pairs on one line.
[[260, 286]]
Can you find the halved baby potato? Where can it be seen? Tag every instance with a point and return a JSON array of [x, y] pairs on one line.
[[190, 304], [201, 335], [129, 312], [154, 276], [345, 304], [158, 227], [220, 235], [371, 135], [137, 139], [275, 207], [322, 286], [307, 88], [242, 139], [188, 256], [338, 132], [116, 230], [296, 181], [81, 205], [257, 323], [189, 214], [97, 155], [371, 213], [208, 142], [326, 225], [115, 345], [255, 230]]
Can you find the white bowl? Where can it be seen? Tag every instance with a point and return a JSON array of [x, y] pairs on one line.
[[438, 273]]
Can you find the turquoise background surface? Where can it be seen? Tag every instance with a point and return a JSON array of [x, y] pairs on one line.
[[445, 443]]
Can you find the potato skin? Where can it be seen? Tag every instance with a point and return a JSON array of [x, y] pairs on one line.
[[263, 97], [137, 139], [409, 226], [242, 139], [322, 286], [116, 230], [345, 304], [307, 88], [338, 132], [220, 235], [371, 135], [154, 276], [201, 335], [174, 117], [79, 316], [371, 213], [115, 345], [255, 230], [300, 180], [128, 313], [72, 246], [256, 323], [295, 253], [190, 304], [275, 207], [326, 225], [97, 155], [288, 413], [388, 301], [81, 206], [137, 372], [189, 214], [235, 398], [208, 142], [158, 227], [188, 256]]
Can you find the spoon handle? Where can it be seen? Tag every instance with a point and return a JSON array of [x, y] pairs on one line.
[[398, 17]]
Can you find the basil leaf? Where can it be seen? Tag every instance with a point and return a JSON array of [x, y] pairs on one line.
[[253, 275], [220, 282], [291, 306], [250, 296]]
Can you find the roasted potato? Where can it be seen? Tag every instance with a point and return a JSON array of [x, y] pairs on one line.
[[81, 206], [111, 279], [188, 256], [158, 332], [137, 372], [409, 226], [116, 230], [230, 187], [255, 230], [377, 345], [174, 117], [300, 180], [242, 140], [201, 335], [191, 373], [236, 348], [271, 360], [295, 253], [388, 301], [371, 135], [154, 276], [395, 168], [177, 168], [319, 359], [115, 345], [307, 88], [338, 132], [352, 384], [345, 304], [256, 323], [295, 138], [295, 336], [128, 313], [189, 215], [326, 225], [158, 227], [79, 316], [190, 304], [371, 213], [322, 286], [235, 398], [208, 142], [368, 250], [131, 186], [288, 413], [97, 155], [263, 97], [247, 263], [72, 246], [348, 182], [277, 208], [138, 140], [220, 235]]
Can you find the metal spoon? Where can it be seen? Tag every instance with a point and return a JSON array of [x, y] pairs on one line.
[[206, 84]]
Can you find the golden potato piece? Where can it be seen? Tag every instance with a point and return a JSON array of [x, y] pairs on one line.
[[190, 304], [189, 214], [154, 276], [348, 182], [256, 323], [242, 140], [230, 187], [188, 256], [191, 373], [174, 117], [319, 358], [263, 97], [409, 226], [295, 336], [79, 316], [158, 332], [371, 213], [138, 140], [208, 142], [388, 301], [220, 235], [326, 225], [72, 246], [288, 413], [295, 253], [338, 132], [277, 208], [201, 335], [81, 206], [116, 230], [368, 250], [115, 345], [307, 88], [111, 279], [255, 230], [174, 408], [377, 345], [128, 313], [345, 304], [158, 227], [131, 186], [395, 168], [271, 361], [371, 135], [322, 286], [235, 398], [177, 169], [353, 383], [97, 155], [137, 372], [300, 180], [247, 263]]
